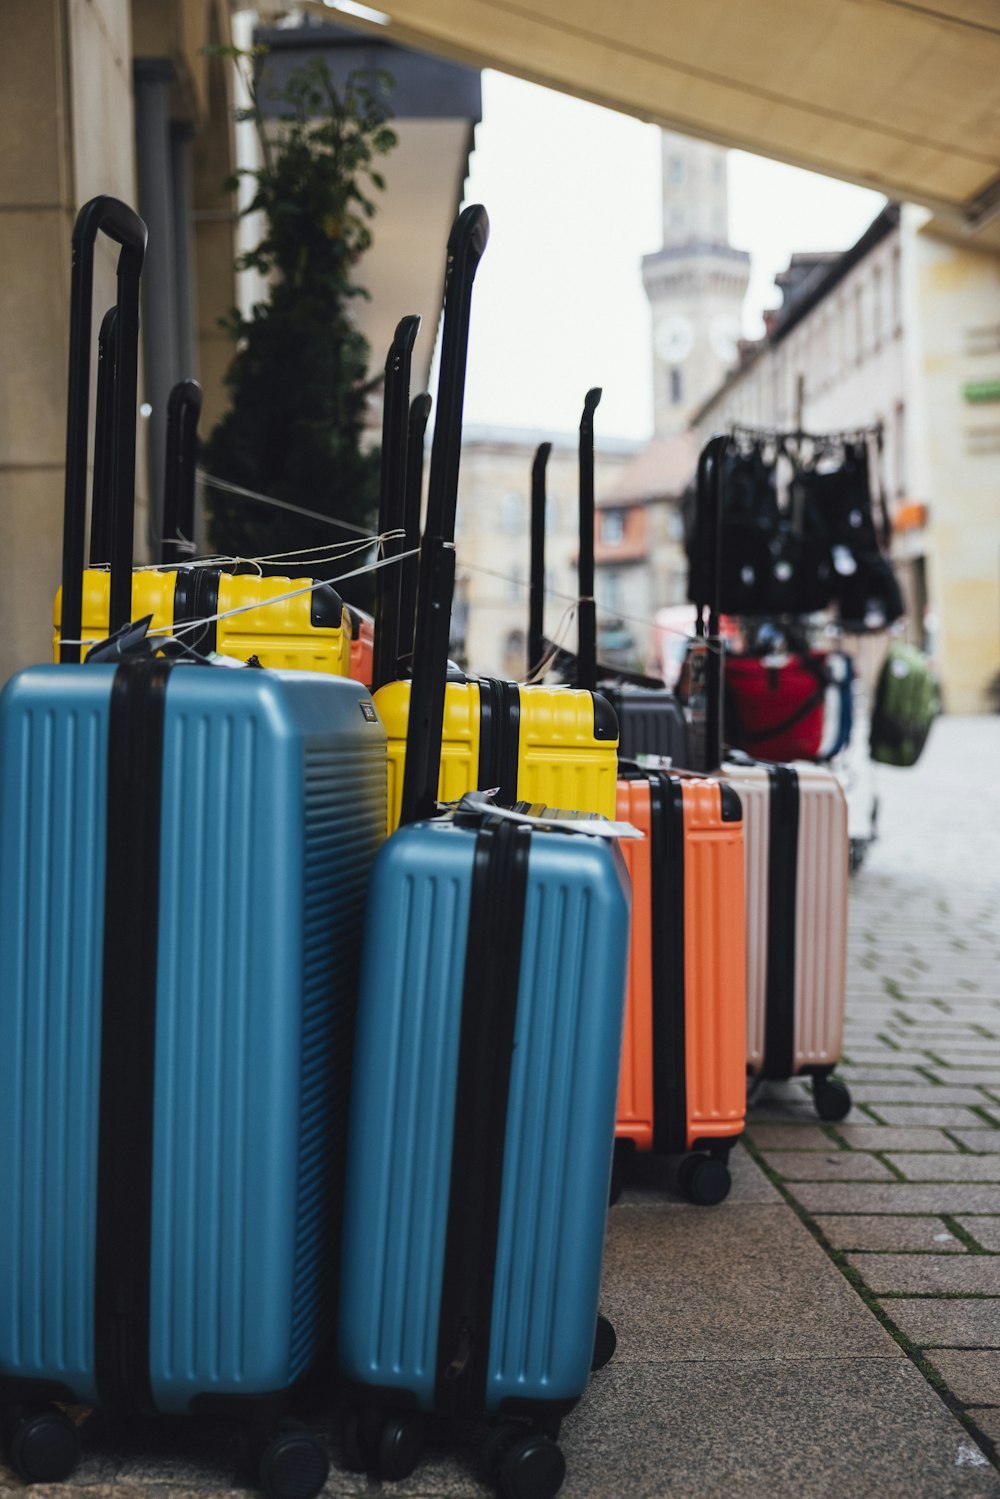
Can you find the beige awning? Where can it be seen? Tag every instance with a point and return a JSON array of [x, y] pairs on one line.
[[896, 95]]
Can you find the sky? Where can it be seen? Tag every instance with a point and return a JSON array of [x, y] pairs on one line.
[[573, 194]]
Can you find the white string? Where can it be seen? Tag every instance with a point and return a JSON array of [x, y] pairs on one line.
[[279, 598], [555, 646], [266, 499]]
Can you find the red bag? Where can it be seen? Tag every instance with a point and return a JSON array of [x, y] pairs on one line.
[[773, 705]]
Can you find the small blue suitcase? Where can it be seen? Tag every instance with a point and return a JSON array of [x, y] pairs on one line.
[[481, 1135], [184, 857]]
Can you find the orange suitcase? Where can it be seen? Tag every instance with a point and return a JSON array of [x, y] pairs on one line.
[[683, 1082]]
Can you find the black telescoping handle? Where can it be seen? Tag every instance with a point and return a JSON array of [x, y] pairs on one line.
[[708, 521], [436, 575], [420, 410], [536, 590], [395, 403], [104, 438], [183, 411], [118, 221], [587, 617]]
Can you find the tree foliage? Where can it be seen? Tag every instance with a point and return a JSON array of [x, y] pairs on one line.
[[299, 381]]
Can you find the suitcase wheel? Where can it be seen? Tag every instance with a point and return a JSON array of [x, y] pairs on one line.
[[391, 1446], [605, 1343], [400, 1446], [533, 1467], [832, 1098], [43, 1445], [704, 1180], [293, 1464]]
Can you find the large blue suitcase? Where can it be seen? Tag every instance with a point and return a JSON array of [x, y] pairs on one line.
[[481, 1134], [183, 864]]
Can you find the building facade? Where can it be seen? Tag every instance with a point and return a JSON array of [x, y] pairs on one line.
[[490, 620], [903, 330]]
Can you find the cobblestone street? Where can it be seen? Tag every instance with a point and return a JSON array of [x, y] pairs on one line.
[[906, 1193]]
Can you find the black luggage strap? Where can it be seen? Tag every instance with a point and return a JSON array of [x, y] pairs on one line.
[[128, 1036], [666, 854], [782, 879], [499, 737], [196, 597], [486, 1045]]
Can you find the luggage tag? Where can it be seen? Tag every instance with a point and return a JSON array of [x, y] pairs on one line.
[[479, 804]]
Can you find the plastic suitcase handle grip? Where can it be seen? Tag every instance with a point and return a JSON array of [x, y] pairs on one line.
[[104, 436], [587, 616], [466, 244], [420, 410], [115, 219], [708, 519], [396, 395], [183, 411]]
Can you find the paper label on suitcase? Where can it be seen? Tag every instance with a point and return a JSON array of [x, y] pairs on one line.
[[592, 824]]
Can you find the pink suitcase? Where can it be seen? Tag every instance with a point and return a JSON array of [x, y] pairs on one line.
[[796, 867]]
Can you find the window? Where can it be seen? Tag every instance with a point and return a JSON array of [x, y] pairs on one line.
[[612, 527], [678, 170], [512, 513], [877, 306], [859, 324], [612, 590], [899, 446], [676, 387], [516, 592]]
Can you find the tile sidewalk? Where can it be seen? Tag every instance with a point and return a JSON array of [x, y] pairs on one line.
[[832, 1331]]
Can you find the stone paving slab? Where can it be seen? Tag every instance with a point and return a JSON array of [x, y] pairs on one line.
[[833, 1165], [754, 1285], [986, 1232], [824, 1429], [896, 1197], [981, 1139], [954, 1167], [888, 1232], [884, 1137], [966, 1322], [973, 1378], [929, 1113], [928, 1274]]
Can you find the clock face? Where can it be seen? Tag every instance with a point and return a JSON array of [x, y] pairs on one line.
[[674, 338], [724, 334]]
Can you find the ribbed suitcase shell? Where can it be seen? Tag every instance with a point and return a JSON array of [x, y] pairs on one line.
[[273, 808], [714, 1000], [280, 634], [650, 722], [820, 912], [560, 762], [560, 1117]]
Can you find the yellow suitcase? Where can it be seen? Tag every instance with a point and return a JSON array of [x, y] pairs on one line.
[[308, 632], [537, 744]]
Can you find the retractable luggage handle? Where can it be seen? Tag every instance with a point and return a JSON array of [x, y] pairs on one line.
[[183, 411], [436, 576], [708, 520], [116, 220], [536, 590], [586, 675], [104, 437], [420, 410], [396, 395]]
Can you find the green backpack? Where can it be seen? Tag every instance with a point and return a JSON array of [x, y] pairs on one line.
[[906, 704]]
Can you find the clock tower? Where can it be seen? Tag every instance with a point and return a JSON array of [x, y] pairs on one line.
[[695, 284]]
